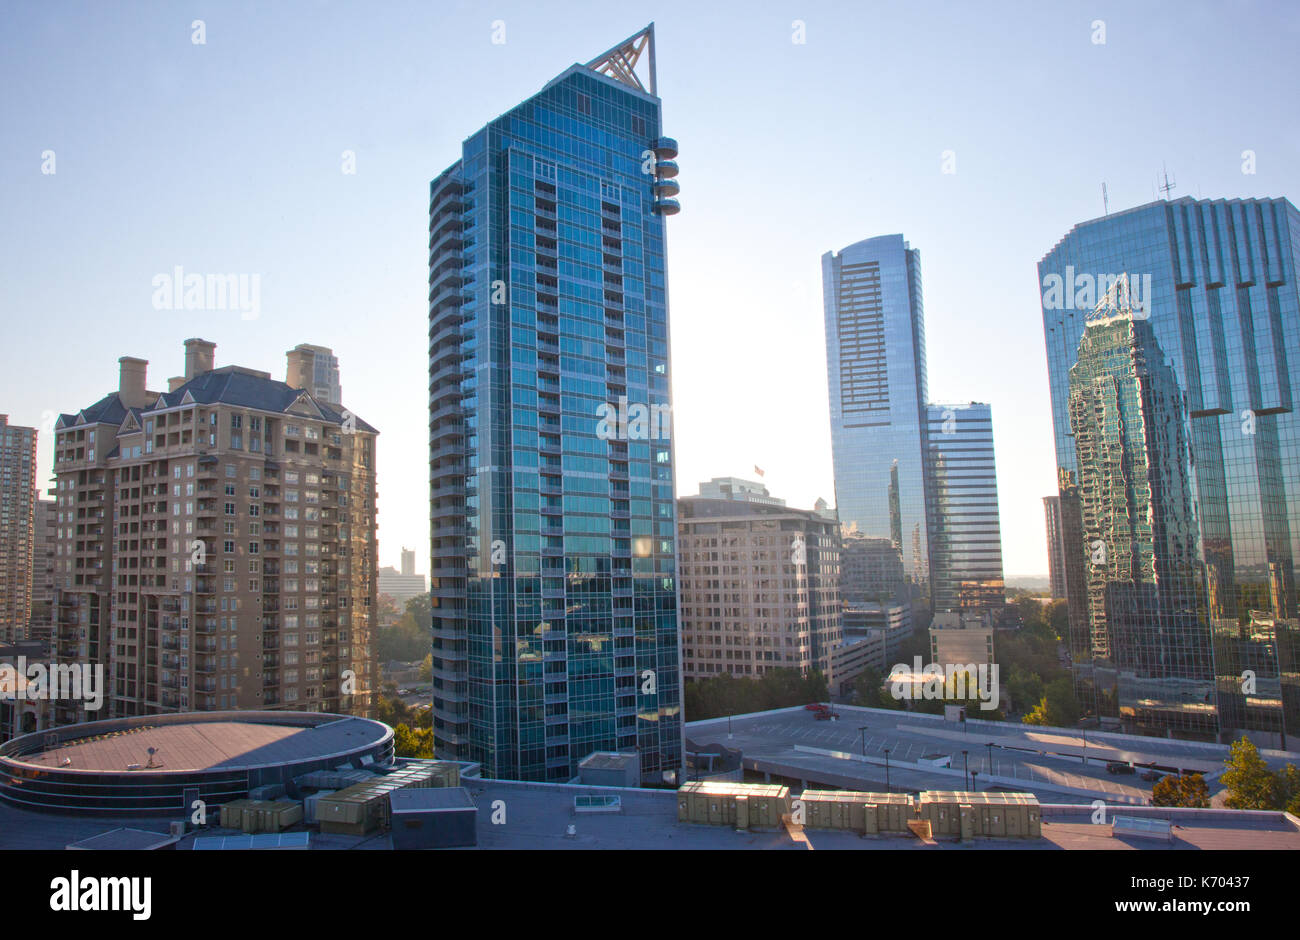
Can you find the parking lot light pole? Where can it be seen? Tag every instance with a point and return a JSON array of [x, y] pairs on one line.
[[965, 764], [973, 784], [989, 768], [863, 729], [888, 788]]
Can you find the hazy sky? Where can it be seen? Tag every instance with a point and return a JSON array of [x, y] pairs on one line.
[[227, 157]]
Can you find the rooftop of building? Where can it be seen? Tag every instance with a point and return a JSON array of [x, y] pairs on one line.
[[228, 385], [543, 816], [1147, 206], [207, 741]]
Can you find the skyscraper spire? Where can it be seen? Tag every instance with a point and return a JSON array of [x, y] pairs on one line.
[[620, 61]]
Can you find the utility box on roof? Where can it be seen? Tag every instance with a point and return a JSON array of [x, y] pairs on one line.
[[855, 810], [714, 802], [610, 769], [433, 818], [965, 815]]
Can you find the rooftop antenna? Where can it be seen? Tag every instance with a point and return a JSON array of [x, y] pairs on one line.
[[1105, 199], [1167, 187]]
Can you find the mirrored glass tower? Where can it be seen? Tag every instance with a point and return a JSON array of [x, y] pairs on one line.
[[875, 355], [553, 521], [1216, 282]]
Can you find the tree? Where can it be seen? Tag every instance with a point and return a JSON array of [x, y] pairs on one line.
[[413, 742], [729, 695], [1247, 778], [1057, 708], [1024, 688], [426, 668], [1286, 789], [410, 637], [1187, 790], [387, 611], [870, 691]]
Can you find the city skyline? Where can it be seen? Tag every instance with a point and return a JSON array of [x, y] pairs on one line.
[[217, 210]]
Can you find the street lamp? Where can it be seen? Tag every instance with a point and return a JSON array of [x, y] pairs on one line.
[[863, 729], [973, 785], [965, 763], [989, 768], [728, 725], [888, 788]]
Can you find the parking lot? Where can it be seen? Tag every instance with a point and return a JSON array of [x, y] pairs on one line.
[[1059, 765]]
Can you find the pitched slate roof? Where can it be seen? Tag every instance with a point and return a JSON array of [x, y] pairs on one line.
[[229, 385]]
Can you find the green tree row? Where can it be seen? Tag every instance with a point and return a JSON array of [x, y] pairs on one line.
[[1251, 785], [410, 636], [729, 695]]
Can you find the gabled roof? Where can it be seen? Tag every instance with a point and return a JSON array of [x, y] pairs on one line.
[[230, 385], [108, 410]]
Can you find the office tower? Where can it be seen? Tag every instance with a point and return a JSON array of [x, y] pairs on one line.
[[552, 509], [402, 585], [45, 538], [1216, 280], [965, 535], [871, 569], [760, 586], [962, 637], [315, 369], [17, 496], [875, 354], [1055, 547], [216, 544], [737, 489], [1146, 612]]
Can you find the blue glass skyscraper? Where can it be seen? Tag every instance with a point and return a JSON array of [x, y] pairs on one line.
[[875, 355], [1217, 282], [552, 503], [962, 502]]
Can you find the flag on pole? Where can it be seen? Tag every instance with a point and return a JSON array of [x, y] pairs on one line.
[[758, 469]]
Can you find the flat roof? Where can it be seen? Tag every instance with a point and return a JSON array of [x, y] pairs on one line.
[[207, 745], [540, 814], [430, 799], [606, 760], [125, 840]]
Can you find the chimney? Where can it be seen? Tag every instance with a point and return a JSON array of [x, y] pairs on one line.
[[301, 368], [131, 382], [200, 357], [175, 382]]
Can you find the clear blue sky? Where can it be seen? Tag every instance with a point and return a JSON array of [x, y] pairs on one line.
[[226, 157]]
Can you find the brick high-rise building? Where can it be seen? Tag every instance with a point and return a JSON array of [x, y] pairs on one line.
[[216, 545], [17, 498], [316, 369], [760, 587], [40, 625]]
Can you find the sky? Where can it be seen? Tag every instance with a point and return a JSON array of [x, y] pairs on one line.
[[228, 156]]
